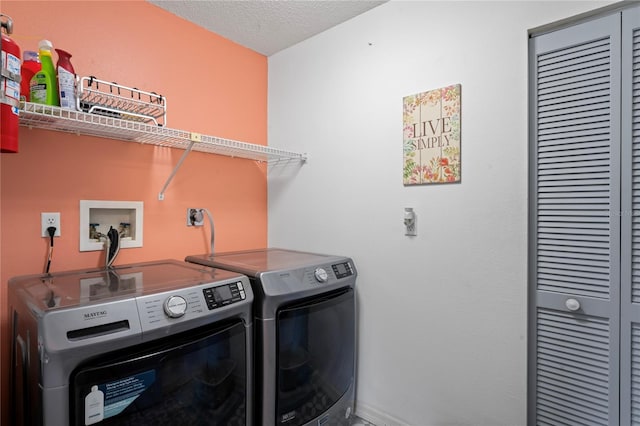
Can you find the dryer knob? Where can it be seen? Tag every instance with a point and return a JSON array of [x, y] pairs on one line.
[[175, 306], [321, 275]]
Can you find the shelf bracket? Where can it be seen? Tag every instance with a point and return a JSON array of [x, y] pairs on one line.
[[195, 137]]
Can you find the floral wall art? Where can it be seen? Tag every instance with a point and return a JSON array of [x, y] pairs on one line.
[[431, 133]]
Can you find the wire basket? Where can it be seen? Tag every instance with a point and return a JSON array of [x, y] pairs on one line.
[[114, 100]]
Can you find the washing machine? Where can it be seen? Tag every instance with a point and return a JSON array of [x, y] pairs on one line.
[[154, 343], [305, 324]]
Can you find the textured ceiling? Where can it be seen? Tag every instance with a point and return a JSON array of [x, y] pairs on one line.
[[267, 26]]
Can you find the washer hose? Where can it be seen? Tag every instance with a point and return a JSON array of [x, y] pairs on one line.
[[111, 246]]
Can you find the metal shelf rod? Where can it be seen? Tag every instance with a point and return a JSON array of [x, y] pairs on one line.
[[175, 170]]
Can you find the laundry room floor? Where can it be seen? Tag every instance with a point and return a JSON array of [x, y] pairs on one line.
[[357, 421]]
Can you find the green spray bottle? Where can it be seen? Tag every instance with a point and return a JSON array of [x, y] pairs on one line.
[[44, 84]]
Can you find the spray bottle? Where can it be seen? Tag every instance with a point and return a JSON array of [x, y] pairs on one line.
[[44, 85], [66, 80]]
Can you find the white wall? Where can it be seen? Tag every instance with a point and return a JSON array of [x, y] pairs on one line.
[[443, 315]]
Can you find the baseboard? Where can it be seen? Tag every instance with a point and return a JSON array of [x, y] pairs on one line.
[[377, 417]]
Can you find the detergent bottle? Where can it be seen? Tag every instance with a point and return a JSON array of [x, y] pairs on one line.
[[66, 80], [44, 85], [30, 66]]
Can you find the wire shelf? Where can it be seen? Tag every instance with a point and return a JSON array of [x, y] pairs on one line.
[[114, 100], [81, 123]]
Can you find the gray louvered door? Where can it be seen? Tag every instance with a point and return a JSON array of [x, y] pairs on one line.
[[575, 225], [630, 272]]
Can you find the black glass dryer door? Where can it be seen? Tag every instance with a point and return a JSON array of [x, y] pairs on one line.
[[316, 340], [196, 378]]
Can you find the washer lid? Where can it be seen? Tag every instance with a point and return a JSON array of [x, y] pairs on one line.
[[89, 286], [254, 262]]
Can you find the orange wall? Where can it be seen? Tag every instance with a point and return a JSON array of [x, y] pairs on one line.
[[212, 85]]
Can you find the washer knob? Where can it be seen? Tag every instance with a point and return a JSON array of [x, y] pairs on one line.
[[175, 306], [321, 275]]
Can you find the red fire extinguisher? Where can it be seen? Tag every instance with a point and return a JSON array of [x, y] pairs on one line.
[[9, 88]]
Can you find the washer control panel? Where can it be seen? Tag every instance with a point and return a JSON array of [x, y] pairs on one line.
[[223, 295], [164, 309]]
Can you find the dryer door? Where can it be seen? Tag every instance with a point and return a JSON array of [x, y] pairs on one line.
[[179, 380], [316, 350]]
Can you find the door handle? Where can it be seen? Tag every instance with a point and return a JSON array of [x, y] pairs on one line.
[[572, 305]]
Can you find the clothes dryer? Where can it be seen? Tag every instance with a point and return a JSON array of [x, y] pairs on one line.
[[305, 324], [155, 343]]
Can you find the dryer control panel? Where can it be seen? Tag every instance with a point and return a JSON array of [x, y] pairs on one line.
[[325, 274], [342, 270]]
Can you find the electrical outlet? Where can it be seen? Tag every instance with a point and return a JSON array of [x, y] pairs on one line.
[[410, 222], [195, 217], [50, 219]]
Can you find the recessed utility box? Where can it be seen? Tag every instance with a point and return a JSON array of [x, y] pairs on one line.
[[96, 217]]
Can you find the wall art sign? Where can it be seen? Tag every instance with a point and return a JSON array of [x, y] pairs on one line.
[[431, 123]]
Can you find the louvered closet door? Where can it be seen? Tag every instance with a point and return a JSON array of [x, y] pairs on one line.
[[630, 276], [575, 225]]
